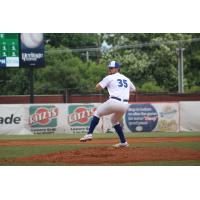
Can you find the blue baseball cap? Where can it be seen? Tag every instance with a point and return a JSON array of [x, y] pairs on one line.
[[114, 64]]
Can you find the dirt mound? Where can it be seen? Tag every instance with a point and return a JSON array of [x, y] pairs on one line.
[[109, 156]]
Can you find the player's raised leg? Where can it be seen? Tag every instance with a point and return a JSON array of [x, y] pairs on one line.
[[93, 124], [103, 109]]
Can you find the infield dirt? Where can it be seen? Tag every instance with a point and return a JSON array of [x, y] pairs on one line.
[[104, 155]]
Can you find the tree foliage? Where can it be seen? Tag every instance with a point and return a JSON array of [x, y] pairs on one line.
[[72, 40], [149, 60], [153, 57]]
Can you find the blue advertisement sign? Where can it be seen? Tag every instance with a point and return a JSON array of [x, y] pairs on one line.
[[32, 50], [2, 62], [141, 117]]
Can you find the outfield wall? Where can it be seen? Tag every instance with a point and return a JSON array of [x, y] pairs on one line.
[[190, 116], [68, 97], [31, 119]]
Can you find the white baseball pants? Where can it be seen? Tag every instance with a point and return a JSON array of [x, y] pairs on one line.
[[114, 107]]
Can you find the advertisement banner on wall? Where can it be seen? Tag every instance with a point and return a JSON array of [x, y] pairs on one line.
[[12, 119], [2, 62], [43, 119], [32, 50], [146, 117], [169, 117], [141, 117], [75, 118], [189, 116], [79, 117]]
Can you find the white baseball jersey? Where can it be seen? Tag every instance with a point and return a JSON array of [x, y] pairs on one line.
[[118, 86]]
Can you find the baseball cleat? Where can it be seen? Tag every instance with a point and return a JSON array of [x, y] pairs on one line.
[[86, 138], [119, 145]]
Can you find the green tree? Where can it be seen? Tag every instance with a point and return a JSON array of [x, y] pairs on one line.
[[192, 73], [72, 40], [15, 81], [64, 70], [149, 57]]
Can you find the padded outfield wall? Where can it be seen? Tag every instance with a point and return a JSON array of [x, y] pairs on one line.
[[22, 119]]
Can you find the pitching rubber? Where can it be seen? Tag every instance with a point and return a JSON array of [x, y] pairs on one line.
[[85, 140]]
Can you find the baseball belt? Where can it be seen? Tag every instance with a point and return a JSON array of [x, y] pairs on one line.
[[125, 100]]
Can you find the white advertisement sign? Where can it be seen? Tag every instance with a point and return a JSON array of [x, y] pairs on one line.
[[12, 119], [146, 117], [47, 118], [79, 116], [189, 116], [75, 118]]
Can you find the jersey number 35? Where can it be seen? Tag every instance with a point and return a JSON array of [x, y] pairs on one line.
[[122, 83]]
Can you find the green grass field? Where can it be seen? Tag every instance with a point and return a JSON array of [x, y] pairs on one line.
[[107, 135], [26, 151]]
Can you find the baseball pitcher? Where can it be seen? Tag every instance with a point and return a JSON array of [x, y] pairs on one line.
[[119, 88]]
